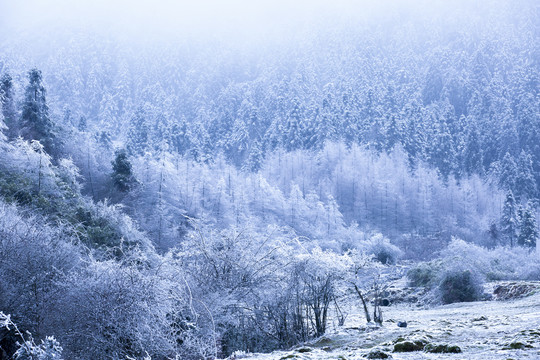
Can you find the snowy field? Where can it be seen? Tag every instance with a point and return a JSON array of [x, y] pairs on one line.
[[483, 330]]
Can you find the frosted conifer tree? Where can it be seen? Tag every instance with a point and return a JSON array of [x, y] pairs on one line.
[[35, 121], [508, 172], [122, 174], [138, 135], [7, 103], [528, 229], [509, 220], [525, 184]]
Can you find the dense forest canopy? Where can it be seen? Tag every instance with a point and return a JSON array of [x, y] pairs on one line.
[[141, 141]]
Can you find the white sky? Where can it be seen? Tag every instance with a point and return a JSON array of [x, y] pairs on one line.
[[181, 15], [210, 17]]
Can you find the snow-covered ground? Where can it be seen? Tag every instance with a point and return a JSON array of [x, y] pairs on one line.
[[483, 330]]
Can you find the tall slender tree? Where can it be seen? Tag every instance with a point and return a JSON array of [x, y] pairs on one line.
[[509, 219], [7, 102], [35, 121], [122, 174], [525, 183], [528, 229]]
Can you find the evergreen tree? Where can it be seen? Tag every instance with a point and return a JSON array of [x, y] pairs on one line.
[[7, 102], [108, 112], [3, 129], [82, 126], [35, 122], [323, 125], [509, 220], [528, 229], [67, 119], [472, 152], [122, 174], [201, 144], [525, 183], [104, 139], [179, 138], [433, 86], [293, 128], [160, 131], [392, 134], [443, 152], [412, 137], [138, 139], [493, 233], [238, 143], [508, 172], [253, 162]]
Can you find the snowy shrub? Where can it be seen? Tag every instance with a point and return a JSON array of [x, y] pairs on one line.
[[96, 309], [128, 308], [424, 274], [243, 278], [501, 263], [460, 285], [49, 349], [265, 292], [422, 247], [382, 249], [34, 256]]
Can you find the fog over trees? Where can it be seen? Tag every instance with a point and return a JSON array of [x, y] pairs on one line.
[[194, 180]]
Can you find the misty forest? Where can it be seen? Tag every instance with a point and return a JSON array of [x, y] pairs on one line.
[[343, 180]]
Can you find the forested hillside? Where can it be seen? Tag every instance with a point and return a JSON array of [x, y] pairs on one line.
[[195, 196]]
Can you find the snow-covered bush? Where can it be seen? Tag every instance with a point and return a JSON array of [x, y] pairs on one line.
[[424, 274], [49, 349], [126, 310], [452, 284], [501, 263], [460, 285], [264, 291], [382, 249], [33, 256]]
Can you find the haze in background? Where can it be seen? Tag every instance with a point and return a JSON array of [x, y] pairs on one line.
[[235, 19]]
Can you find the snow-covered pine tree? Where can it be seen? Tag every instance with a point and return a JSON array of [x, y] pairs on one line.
[[255, 157], [443, 153], [392, 134], [507, 172], [139, 134], [122, 174], [35, 121], [528, 228], [7, 103], [509, 219], [83, 124], [525, 184], [472, 152], [293, 128]]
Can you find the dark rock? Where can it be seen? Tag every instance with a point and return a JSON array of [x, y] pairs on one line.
[[378, 354], [303, 349], [385, 302], [481, 318], [515, 290], [516, 345], [291, 356], [323, 341], [442, 349], [408, 346], [402, 324]]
